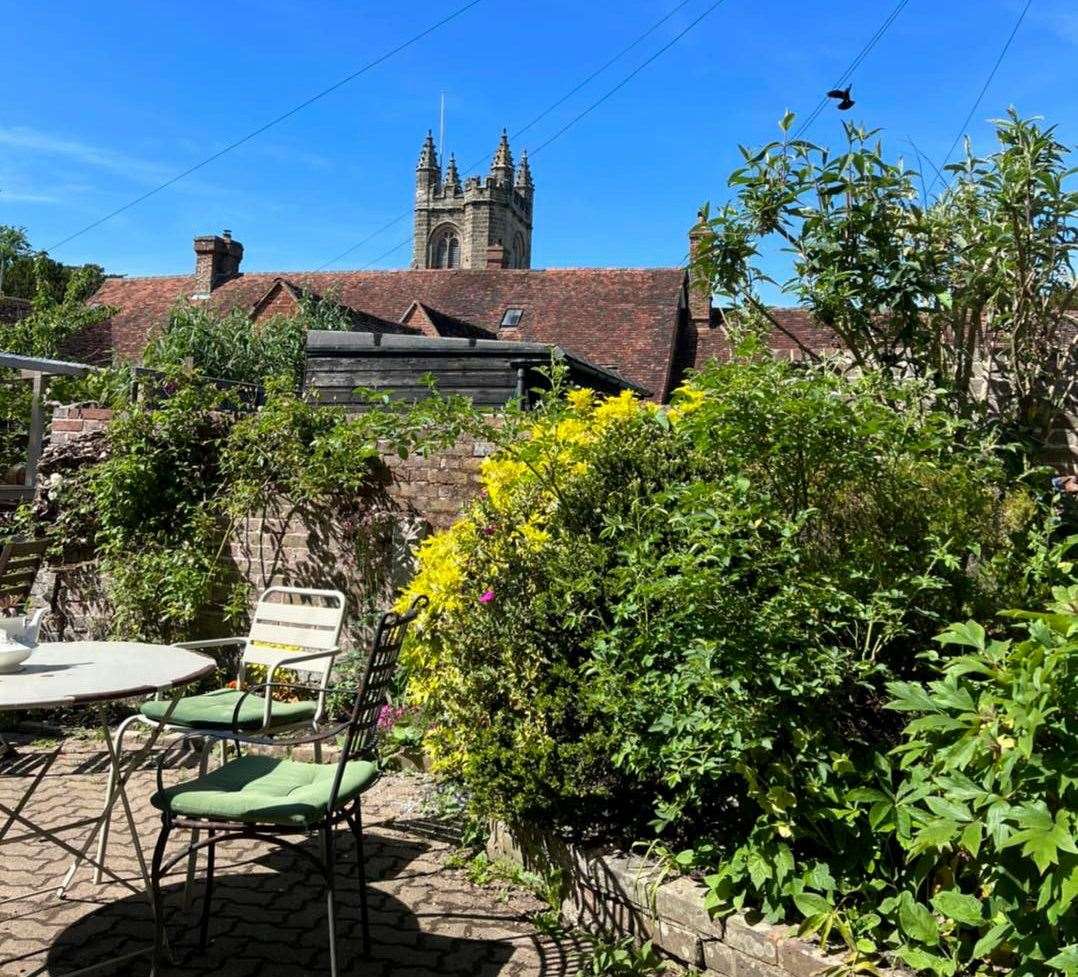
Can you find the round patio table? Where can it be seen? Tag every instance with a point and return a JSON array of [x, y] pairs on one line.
[[70, 674]]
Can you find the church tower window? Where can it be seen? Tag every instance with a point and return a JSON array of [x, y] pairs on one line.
[[445, 249]]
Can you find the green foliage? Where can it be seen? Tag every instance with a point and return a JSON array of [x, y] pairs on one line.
[[231, 346], [695, 611], [623, 958], [977, 281], [957, 852], [682, 622], [989, 818], [52, 321], [184, 469], [292, 453], [13, 245], [147, 511]]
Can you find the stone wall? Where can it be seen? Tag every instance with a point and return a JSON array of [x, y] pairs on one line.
[[13, 309], [622, 896]]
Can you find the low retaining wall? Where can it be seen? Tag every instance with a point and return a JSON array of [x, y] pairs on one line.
[[621, 896]]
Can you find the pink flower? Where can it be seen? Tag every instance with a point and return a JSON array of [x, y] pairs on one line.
[[486, 597], [388, 716]]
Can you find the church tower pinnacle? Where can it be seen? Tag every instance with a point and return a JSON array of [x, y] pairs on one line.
[[501, 167], [428, 173], [451, 183], [486, 222], [523, 180]]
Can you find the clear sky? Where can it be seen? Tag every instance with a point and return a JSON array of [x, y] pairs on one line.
[[106, 100]]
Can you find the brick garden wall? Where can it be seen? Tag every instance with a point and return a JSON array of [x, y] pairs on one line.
[[366, 553]]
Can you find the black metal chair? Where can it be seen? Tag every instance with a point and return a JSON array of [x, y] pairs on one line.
[[256, 796]]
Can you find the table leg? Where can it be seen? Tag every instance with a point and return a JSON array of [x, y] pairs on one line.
[[29, 791], [119, 793]]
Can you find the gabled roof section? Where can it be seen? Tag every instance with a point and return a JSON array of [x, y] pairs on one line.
[[281, 295], [431, 322]]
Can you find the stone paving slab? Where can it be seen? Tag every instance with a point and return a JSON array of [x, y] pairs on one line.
[[268, 909]]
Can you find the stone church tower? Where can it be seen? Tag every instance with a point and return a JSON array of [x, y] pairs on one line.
[[487, 223]]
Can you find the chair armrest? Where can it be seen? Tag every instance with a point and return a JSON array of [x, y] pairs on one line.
[[269, 699], [210, 643], [299, 659]]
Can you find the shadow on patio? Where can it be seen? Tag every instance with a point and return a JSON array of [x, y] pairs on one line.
[[268, 918]]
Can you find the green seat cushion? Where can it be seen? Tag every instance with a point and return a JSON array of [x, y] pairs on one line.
[[265, 790], [213, 710]]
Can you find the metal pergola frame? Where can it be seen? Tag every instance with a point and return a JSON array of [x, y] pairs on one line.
[[35, 370]]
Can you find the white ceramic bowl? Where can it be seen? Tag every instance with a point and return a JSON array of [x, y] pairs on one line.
[[12, 656]]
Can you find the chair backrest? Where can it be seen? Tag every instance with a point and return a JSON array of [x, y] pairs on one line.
[[373, 688], [19, 563], [291, 621]]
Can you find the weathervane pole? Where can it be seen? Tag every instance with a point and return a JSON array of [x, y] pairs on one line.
[[441, 128]]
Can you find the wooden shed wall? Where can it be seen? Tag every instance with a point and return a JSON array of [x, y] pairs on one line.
[[490, 381]]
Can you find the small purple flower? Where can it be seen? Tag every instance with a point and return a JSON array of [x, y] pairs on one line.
[[489, 530], [486, 597], [388, 716]]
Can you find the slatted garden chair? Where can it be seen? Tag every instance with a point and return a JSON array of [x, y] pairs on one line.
[[269, 799], [293, 628], [20, 561]]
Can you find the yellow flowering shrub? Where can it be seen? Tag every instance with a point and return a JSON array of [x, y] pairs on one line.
[[645, 601]]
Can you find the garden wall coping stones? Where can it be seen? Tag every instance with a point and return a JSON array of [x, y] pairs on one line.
[[632, 896]]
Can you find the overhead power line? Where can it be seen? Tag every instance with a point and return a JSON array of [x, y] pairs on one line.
[[629, 77], [984, 88], [854, 65], [550, 108], [415, 38]]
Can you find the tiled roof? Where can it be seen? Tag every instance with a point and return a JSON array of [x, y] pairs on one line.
[[624, 318]]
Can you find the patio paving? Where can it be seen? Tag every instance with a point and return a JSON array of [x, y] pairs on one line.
[[268, 915]]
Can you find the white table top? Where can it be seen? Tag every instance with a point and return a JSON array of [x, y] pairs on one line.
[[69, 673]]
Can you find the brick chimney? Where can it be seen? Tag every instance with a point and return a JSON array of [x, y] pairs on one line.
[[699, 292], [217, 259], [496, 255]]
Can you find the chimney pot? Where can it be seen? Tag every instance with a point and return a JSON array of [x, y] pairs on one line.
[[496, 255]]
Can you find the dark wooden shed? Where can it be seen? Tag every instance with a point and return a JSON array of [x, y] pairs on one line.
[[491, 372]]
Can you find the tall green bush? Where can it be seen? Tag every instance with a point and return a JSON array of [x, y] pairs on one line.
[[231, 346]]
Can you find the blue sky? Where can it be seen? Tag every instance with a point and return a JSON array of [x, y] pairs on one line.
[[105, 100]]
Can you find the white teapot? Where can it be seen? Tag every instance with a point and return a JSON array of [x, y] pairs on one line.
[[18, 636], [23, 629]]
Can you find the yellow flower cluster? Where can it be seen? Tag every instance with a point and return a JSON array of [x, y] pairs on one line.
[[686, 400], [523, 493], [439, 575]]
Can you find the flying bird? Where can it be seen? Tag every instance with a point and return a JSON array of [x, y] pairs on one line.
[[843, 96]]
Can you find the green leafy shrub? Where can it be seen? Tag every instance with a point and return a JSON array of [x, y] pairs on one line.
[[181, 471], [987, 818], [956, 853], [231, 346], [688, 617], [159, 510]]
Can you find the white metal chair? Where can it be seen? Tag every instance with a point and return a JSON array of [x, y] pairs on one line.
[[289, 630]]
